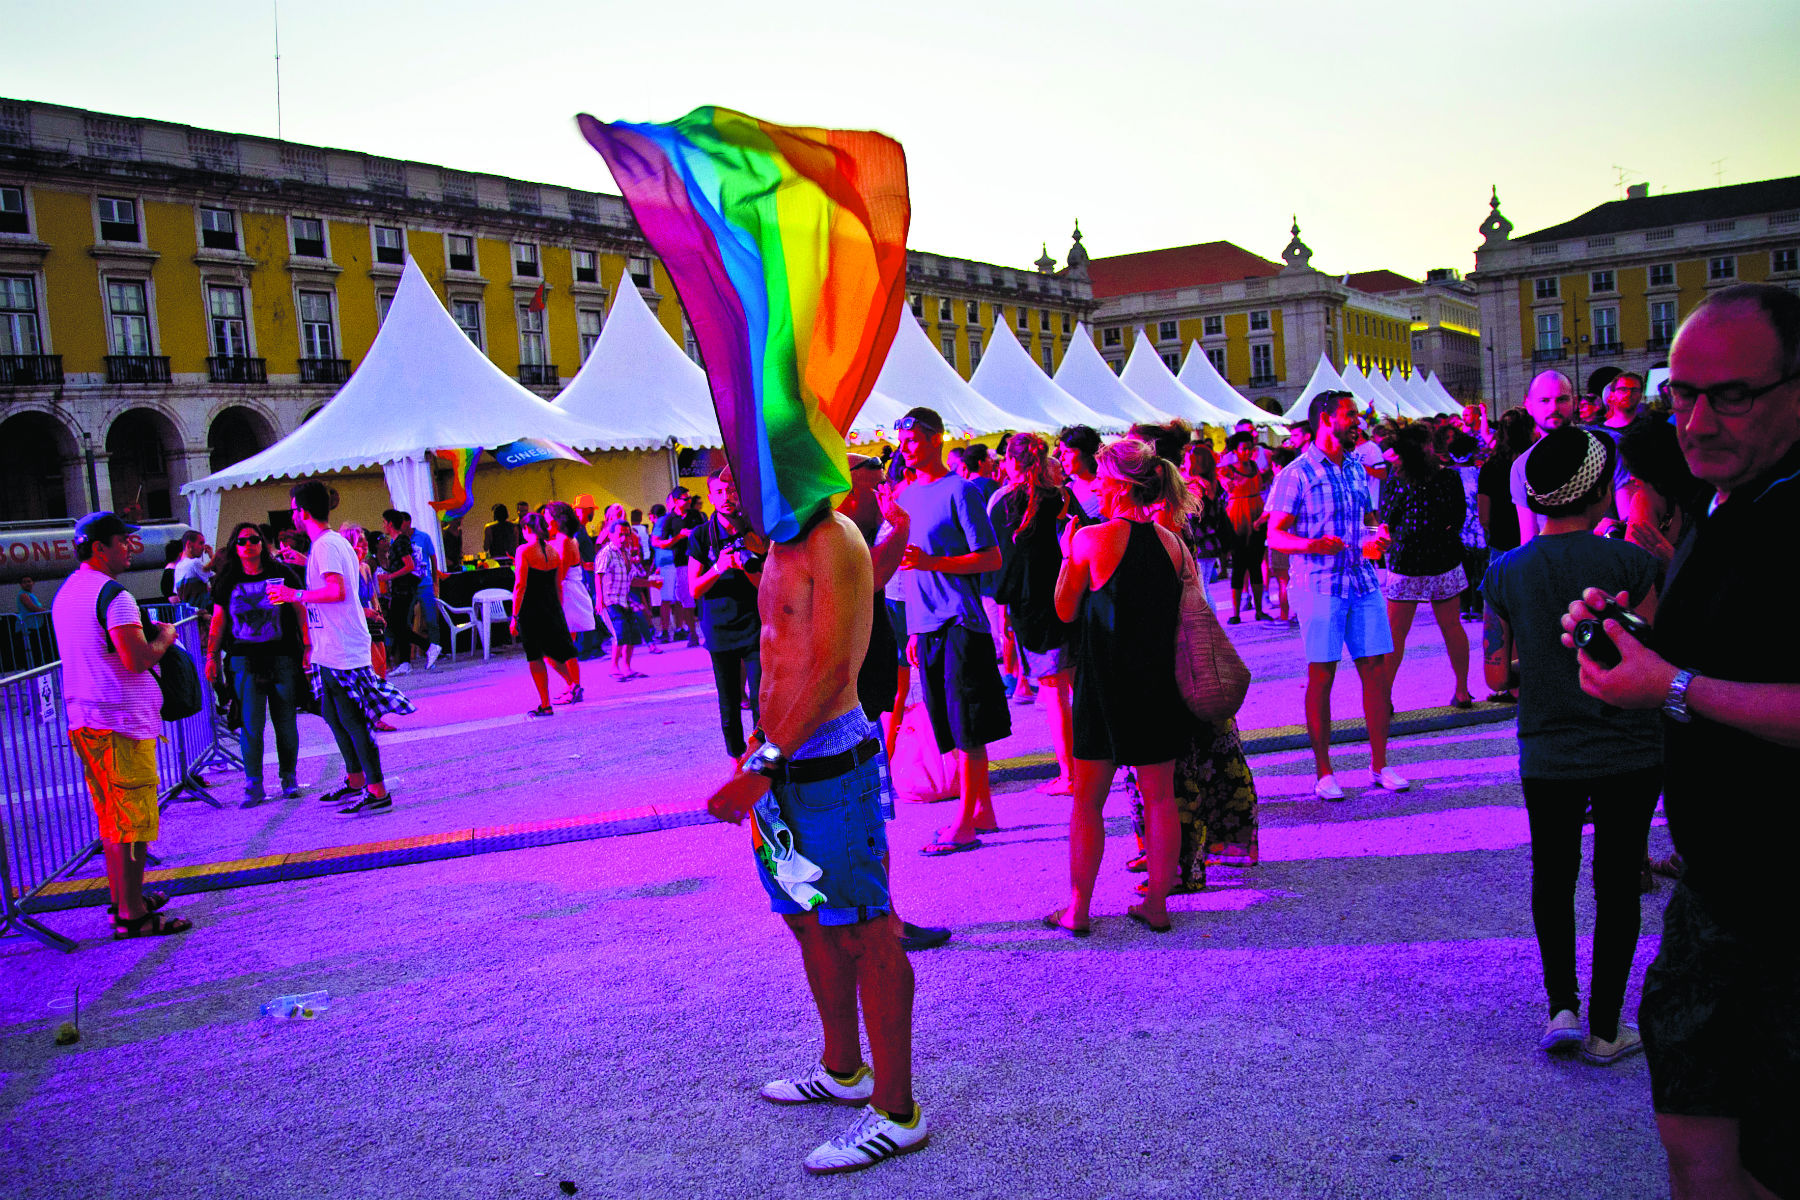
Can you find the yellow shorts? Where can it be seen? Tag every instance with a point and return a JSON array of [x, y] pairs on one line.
[[122, 781]]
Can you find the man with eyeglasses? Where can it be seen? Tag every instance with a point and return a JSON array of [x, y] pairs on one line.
[[1720, 1016]]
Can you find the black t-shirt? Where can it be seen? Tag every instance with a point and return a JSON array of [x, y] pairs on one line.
[[728, 617], [1730, 796], [1495, 482], [1425, 519], [254, 628]]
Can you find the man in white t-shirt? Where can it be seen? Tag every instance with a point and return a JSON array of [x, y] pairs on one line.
[[351, 697], [192, 580], [114, 709]]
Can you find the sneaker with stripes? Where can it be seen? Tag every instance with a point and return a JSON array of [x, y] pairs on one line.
[[874, 1137], [818, 1084]]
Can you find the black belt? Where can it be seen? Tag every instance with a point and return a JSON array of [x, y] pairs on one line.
[[813, 770]]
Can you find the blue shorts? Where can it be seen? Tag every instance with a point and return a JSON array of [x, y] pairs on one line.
[[1329, 625], [837, 824]]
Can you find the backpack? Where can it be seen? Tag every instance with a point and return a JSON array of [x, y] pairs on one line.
[[179, 678]]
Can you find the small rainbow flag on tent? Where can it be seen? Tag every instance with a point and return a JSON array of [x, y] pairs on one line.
[[462, 481], [787, 247]]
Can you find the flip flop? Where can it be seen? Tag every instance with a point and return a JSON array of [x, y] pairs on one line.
[[939, 849], [1054, 921], [1141, 919]]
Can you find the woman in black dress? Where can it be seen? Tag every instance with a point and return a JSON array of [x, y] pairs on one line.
[[1121, 586], [537, 612]]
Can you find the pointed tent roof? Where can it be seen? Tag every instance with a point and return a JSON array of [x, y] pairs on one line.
[[916, 374], [1451, 403], [1402, 403], [1200, 377], [1149, 376], [1416, 391], [1085, 376], [1324, 379], [1357, 384], [422, 386], [1007, 376], [875, 419], [637, 382]]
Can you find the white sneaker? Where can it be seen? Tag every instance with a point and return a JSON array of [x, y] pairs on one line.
[[1390, 780], [431, 656], [1562, 1033], [874, 1137], [818, 1084], [400, 668], [1327, 788], [1625, 1043]]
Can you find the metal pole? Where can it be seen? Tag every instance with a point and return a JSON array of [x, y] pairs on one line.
[[93, 478]]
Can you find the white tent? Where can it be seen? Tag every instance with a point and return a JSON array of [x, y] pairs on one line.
[[875, 419], [1369, 396], [1396, 391], [1085, 376], [917, 375], [1200, 377], [1450, 403], [1324, 379], [1149, 376], [1007, 376], [637, 383], [422, 386], [1415, 390]]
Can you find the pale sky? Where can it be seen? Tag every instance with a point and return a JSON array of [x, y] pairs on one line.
[[1158, 124]]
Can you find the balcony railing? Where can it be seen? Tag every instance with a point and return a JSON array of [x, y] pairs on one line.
[[137, 368], [537, 374], [1656, 342], [235, 369], [1263, 381], [1549, 354], [1606, 350], [324, 370], [26, 370]]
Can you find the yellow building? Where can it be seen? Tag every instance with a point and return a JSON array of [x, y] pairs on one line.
[[1606, 291]]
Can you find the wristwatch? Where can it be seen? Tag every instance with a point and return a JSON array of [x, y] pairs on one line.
[[1675, 703], [766, 760]]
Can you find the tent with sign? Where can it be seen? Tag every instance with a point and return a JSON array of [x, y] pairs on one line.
[[1085, 376], [1200, 377], [1149, 376], [422, 386], [1007, 377]]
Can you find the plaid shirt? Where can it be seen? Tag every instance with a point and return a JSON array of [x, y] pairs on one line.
[[615, 569], [1327, 501]]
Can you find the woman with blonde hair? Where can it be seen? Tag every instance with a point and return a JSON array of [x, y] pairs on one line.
[[1120, 585]]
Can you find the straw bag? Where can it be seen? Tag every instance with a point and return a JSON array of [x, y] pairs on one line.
[[1208, 669]]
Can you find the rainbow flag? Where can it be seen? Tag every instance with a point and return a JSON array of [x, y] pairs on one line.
[[462, 483], [787, 247]]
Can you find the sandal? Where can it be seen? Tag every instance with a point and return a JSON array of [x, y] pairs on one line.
[[152, 902], [1054, 921], [1136, 914], [383, 727], [542, 710], [151, 924], [1502, 698], [1465, 702], [1138, 865], [574, 695]]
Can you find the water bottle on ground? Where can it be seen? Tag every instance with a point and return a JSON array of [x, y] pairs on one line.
[[303, 1006]]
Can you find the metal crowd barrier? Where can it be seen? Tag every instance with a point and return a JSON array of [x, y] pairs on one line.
[[47, 823]]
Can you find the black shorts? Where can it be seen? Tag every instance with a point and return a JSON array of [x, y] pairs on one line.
[[963, 693], [1721, 1024], [896, 615]]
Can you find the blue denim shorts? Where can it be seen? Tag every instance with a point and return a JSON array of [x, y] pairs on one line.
[[837, 824], [1329, 625]]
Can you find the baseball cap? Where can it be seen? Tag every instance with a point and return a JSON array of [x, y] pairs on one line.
[[99, 526]]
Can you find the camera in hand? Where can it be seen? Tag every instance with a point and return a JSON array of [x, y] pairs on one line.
[[1590, 635]]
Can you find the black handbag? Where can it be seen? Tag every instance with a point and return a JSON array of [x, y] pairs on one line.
[[178, 677]]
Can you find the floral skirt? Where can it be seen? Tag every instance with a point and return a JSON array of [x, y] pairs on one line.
[[1215, 797], [1424, 589]]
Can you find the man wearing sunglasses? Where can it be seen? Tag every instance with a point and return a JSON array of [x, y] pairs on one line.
[[1721, 1004]]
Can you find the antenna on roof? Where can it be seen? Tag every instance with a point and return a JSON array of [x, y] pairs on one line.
[[1718, 172], [276, 5], [1623, 172]]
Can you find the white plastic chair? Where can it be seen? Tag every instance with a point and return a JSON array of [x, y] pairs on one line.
[[448, 613]]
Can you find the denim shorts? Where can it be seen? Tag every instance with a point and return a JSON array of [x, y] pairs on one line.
[[837, 824], [1329, 625]]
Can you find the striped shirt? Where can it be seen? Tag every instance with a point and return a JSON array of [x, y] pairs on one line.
[[615, 569], [1327, 500]]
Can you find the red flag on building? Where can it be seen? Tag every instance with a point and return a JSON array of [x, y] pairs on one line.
[[537, 299]]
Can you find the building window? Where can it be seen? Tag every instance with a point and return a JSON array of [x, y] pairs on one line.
[[1044, 319], [1259, 319], [1212, 326], [1110, 336], [587, 267], [467, 315], [1216, 356], [1718, 269], [218, 229], [1048, 369], [973, 311], [948, 344], [1549, 331], [1262, 361], [917, 303], [974, 351], [12, 211], [18, 315], [128, 316], [390, 245], [525, 259], [1068, 323], [1547, 288], [1606, 326], [1166, 331], [944, 310], [384, 300], [1783, 261], [1662, 275], [1601, 281], [1662, 322], [462, 252], [316, 337], [1024, 319], [689, 345], [1171, 360], [230, 335], [118, 220], [639, 267], [309, 237], [587, 325], [531, 336]]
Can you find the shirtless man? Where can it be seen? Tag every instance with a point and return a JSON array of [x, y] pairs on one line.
[[811, 771]]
